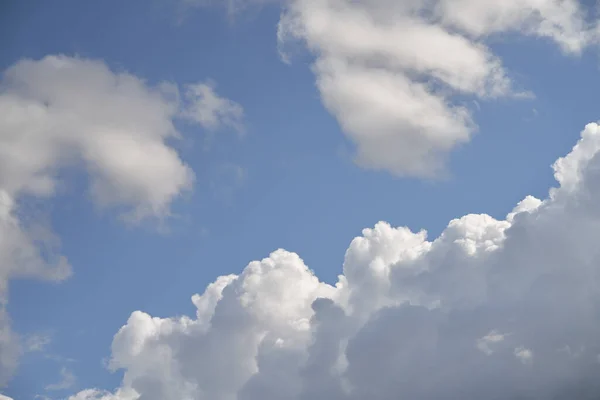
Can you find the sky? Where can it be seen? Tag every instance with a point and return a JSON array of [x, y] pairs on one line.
[[332, 199]]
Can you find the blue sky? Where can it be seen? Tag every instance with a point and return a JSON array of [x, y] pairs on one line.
[[287, 181]]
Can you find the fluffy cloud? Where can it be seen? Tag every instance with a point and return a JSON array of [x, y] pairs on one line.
[[389, 70], [490, 309], [61, 112]]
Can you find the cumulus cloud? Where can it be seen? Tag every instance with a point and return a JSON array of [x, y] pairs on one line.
[[66, 112], [389, 70], [63, 110], [500, 309]]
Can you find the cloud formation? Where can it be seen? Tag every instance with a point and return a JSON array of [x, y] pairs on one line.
[[500, 309], [390, 71], [67, 112], [64, 110]]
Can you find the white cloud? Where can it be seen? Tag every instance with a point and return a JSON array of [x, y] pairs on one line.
[[524, 355], [210, 110], [37, 342], [67, 381], [391, 71], [3, 397], [95, 394], [486, 343], [61, 110], [486, 310], [560, 20], [388, 70], [66, 112]]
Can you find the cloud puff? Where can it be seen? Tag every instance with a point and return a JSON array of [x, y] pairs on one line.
[[491, 308], [210, 110], [66, 112], [62, 110], [389, 70]]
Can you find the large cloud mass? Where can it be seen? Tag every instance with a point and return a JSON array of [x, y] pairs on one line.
[[61, 112], [390, 70], [490, 309]]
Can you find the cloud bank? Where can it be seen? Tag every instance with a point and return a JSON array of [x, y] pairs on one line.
[[391, 72], [66, 112], [496, 309]]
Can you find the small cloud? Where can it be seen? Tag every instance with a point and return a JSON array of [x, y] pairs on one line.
[[67, 381], [524, 355], [524, 95], [485, 343], [211, 111], [37, 342]]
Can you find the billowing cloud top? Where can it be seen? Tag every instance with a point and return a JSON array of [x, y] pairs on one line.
[[490, 309]]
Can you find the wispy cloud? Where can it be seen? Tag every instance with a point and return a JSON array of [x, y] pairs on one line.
[[67, 381], [37, 342]]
